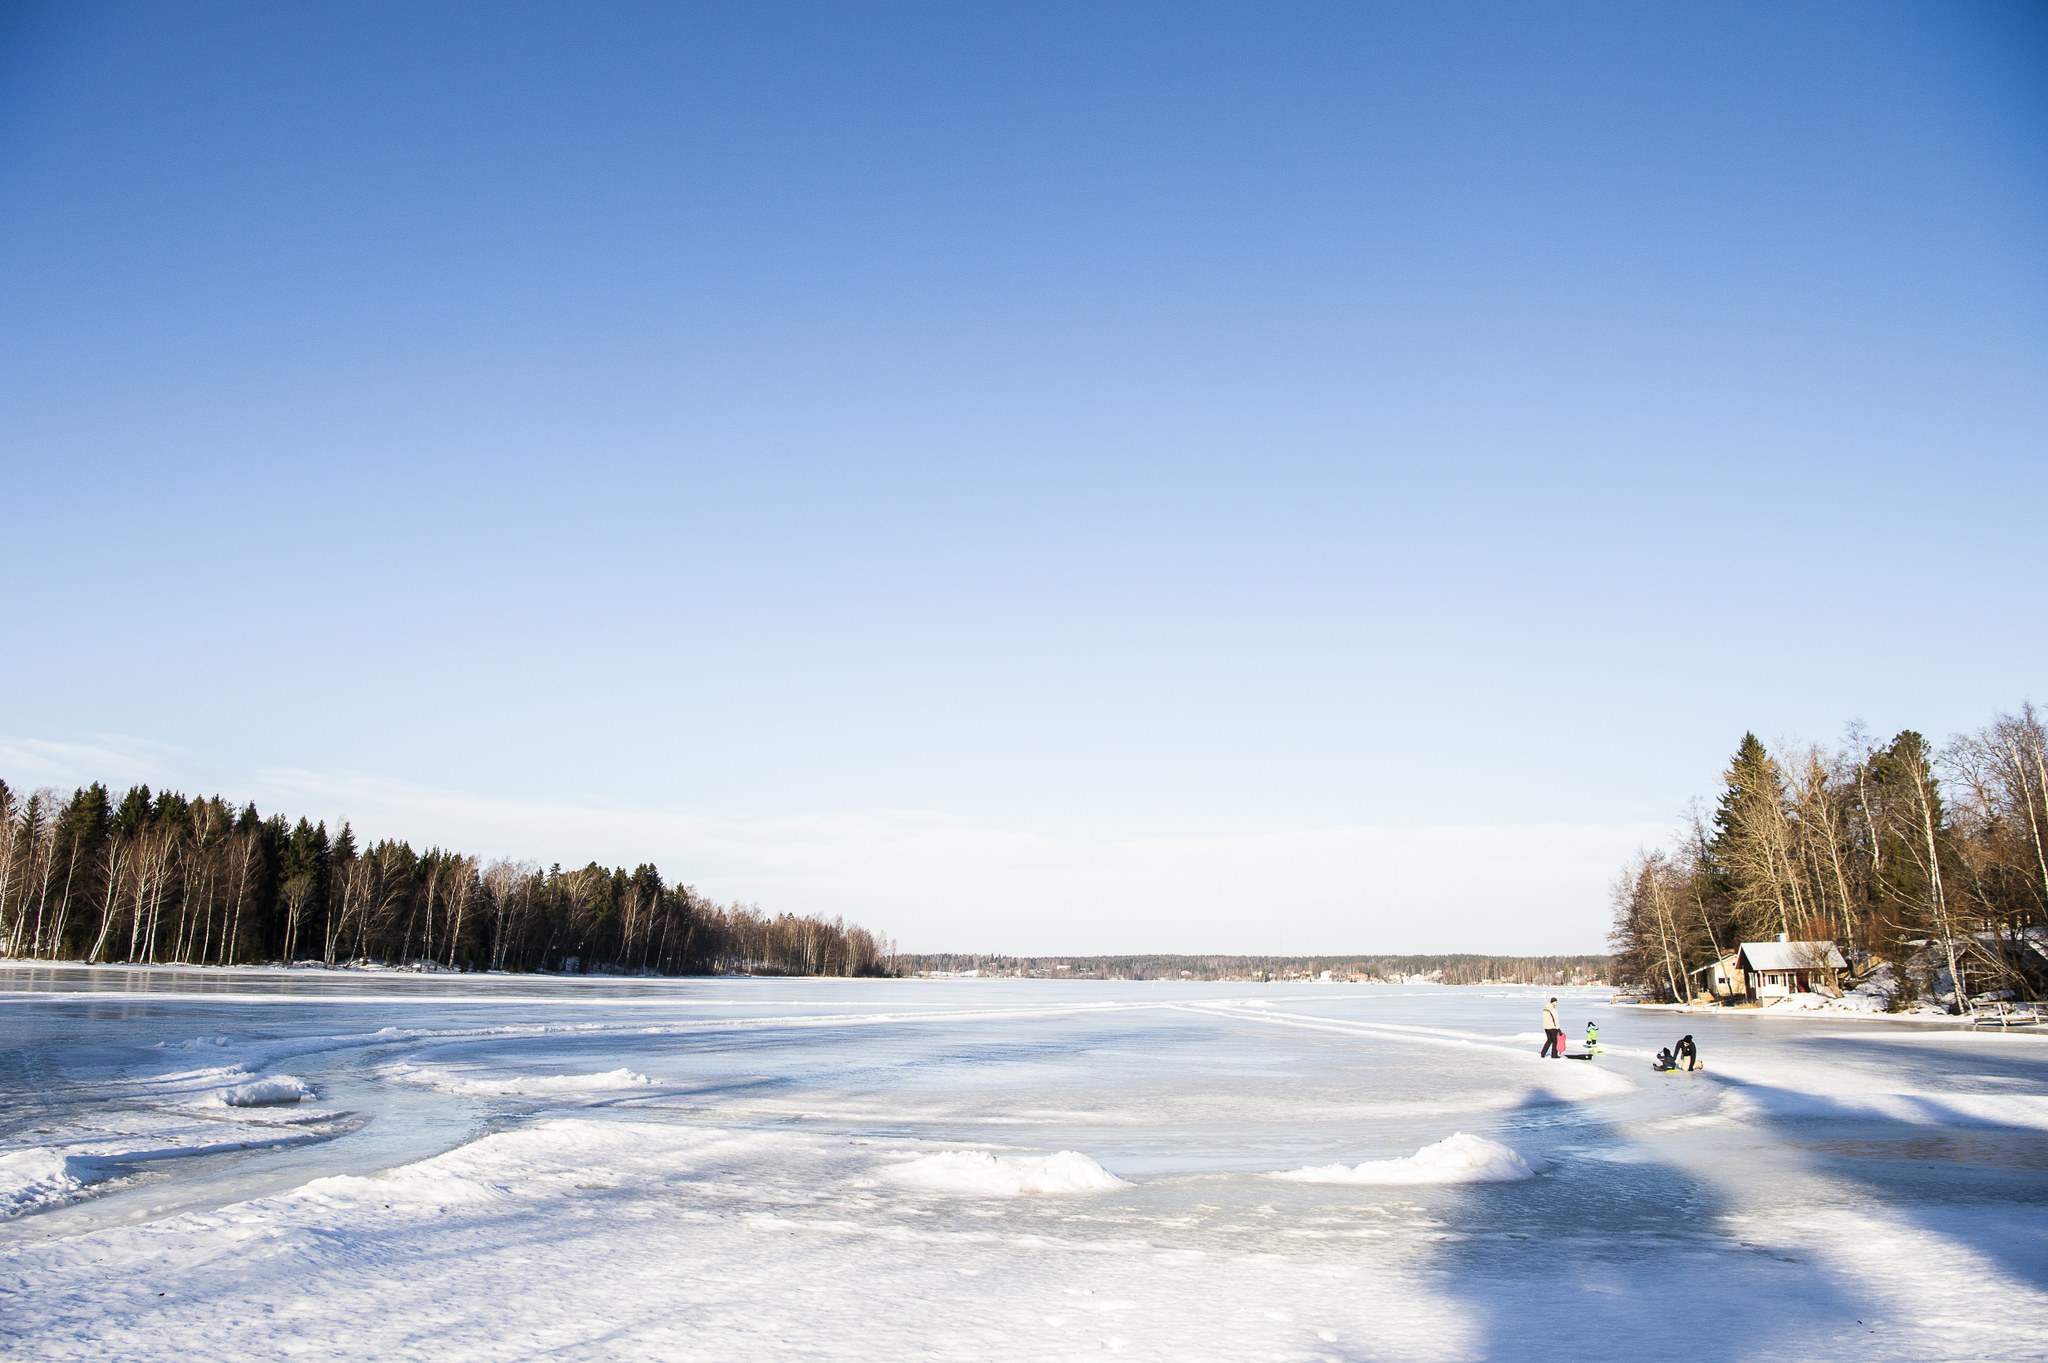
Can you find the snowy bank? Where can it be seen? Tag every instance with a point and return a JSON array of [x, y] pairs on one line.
[[1857, 1003], [30, 1179], [1457, 1158]]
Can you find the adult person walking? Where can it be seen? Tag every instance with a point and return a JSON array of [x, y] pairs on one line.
[[1551, 1031]]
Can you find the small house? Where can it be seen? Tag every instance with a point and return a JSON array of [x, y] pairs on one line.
[[1771, 970], [1721, 980]]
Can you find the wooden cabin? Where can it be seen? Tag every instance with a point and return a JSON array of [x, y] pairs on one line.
[[1722, 980], [1771, 970]]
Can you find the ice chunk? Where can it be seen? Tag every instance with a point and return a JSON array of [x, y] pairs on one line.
[[268, 1092], [975, 1173], [1457, 1158]]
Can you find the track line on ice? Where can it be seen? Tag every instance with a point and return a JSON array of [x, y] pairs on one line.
[[1343, 1027]]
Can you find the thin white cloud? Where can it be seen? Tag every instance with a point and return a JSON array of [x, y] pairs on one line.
[[843, 843], [940, 882], [117, 759]]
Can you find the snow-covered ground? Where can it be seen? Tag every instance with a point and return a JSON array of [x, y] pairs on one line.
[[254, 1165]]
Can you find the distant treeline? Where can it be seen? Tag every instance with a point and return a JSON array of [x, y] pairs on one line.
[[154, 878], [1444, 969], [1933, 859]]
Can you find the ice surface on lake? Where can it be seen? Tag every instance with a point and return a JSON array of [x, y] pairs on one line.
[[748, 1169]]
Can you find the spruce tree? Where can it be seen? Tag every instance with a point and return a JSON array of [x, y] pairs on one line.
[[83, 826], [133, 812], [1746, 855], [1914, 852]]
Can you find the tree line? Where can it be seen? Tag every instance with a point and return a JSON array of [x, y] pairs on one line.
[[1931, 859], [160, 878]]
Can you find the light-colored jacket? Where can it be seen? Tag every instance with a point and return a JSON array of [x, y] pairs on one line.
[[1550, 1017]]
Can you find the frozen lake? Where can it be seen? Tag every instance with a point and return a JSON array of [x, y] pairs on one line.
[[499, 1168]]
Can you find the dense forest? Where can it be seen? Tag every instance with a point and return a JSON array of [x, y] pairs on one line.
[[159, 878], [1927, 859], [1440, 969]]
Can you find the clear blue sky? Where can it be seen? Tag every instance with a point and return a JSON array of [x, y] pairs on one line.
[[1036, 478]]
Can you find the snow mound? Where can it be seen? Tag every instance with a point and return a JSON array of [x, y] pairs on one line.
[[974, 1173], [568, 1083], [268, 1092], [1456, 1158], [537, 1084], [519, 1085], [502, 1170], [427, 1185], [30, 1179]]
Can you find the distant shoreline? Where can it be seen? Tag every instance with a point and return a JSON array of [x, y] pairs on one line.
[[319, 969], [1461, 968]]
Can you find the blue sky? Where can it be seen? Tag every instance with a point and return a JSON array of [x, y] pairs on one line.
[[1043, 478]]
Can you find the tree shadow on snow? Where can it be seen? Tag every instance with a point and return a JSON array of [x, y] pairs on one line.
[[1939, 1168], [1610, 1253]]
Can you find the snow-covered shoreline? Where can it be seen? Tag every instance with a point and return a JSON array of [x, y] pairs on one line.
[[1818, 1007]]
